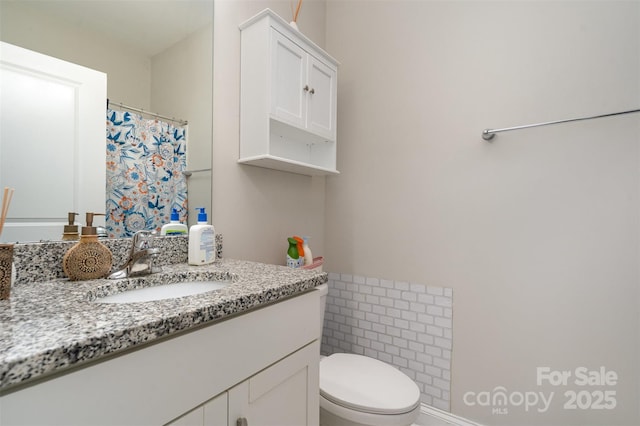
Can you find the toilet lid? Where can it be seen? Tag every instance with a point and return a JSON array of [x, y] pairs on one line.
[[365, 384]]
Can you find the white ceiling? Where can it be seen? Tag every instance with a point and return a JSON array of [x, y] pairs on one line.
[[150, 26]]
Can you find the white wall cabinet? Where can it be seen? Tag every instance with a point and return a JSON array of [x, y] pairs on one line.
[[288, 99], [303, 88], [262, 366]]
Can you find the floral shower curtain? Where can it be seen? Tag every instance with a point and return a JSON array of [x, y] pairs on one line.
[[145, 161]]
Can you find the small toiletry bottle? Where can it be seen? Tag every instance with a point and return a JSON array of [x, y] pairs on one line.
[[174, 227], [71, 230], [202, 241], [308, 257], [300, 242], [89, 258], [294, 260]]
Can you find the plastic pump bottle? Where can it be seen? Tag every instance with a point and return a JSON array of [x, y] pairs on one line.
[[299, 242], [202, 241], [174, 227], [308, 257]]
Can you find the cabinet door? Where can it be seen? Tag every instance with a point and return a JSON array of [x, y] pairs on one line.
[[52, 123], [211, 413], [321, 112], [285, 394], [288, 80], [215, 411], [192, 418]]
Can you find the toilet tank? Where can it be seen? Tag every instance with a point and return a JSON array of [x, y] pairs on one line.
[[324, 290]]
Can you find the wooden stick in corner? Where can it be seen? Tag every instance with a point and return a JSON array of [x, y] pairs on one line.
[[6, 201]]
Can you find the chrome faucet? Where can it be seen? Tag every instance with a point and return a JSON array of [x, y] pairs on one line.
[[141, 257]]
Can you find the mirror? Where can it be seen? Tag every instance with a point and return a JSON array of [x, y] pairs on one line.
[[157, 55]]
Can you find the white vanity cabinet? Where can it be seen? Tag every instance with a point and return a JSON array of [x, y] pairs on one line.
[[288, 98], [261, 366], [212, 413], [279, 395]]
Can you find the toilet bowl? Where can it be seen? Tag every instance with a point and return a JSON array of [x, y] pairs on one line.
[[356, 390]]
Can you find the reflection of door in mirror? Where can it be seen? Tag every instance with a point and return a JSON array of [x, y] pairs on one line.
[[46, 99]]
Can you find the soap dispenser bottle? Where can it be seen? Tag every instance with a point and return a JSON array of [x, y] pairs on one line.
[[202, 241], [174, 227], [71, 230], [89, 258]]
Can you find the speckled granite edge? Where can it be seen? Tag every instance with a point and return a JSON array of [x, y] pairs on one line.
[[53, 325]]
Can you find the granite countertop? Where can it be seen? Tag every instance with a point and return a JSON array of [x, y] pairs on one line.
[[49, 326]]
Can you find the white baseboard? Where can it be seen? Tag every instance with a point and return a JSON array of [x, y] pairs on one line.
[[444, 416]]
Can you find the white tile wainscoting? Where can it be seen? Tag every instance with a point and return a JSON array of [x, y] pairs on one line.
[[404, 324]]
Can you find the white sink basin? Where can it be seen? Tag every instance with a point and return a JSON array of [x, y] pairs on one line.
[[161, 292]]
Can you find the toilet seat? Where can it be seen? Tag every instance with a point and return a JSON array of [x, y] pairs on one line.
[[366, 385]]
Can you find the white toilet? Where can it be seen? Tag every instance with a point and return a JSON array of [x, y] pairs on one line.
[[356, 390]]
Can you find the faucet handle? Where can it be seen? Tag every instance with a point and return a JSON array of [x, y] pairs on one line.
[[150, 237], [142, 238], [138, 242]]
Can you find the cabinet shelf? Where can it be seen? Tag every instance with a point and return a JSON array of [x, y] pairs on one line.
[[286, 165], [288, 98]]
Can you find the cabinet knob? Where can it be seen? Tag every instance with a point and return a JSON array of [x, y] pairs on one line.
[[242, 421], [312, 91], [306, 88]]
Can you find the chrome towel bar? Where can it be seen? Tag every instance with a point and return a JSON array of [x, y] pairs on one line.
[[488, 134]]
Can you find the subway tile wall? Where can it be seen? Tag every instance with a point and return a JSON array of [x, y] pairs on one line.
[[404, 324]]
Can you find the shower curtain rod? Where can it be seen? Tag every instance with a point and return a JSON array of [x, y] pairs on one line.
[[140, 110], [488, 134]]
